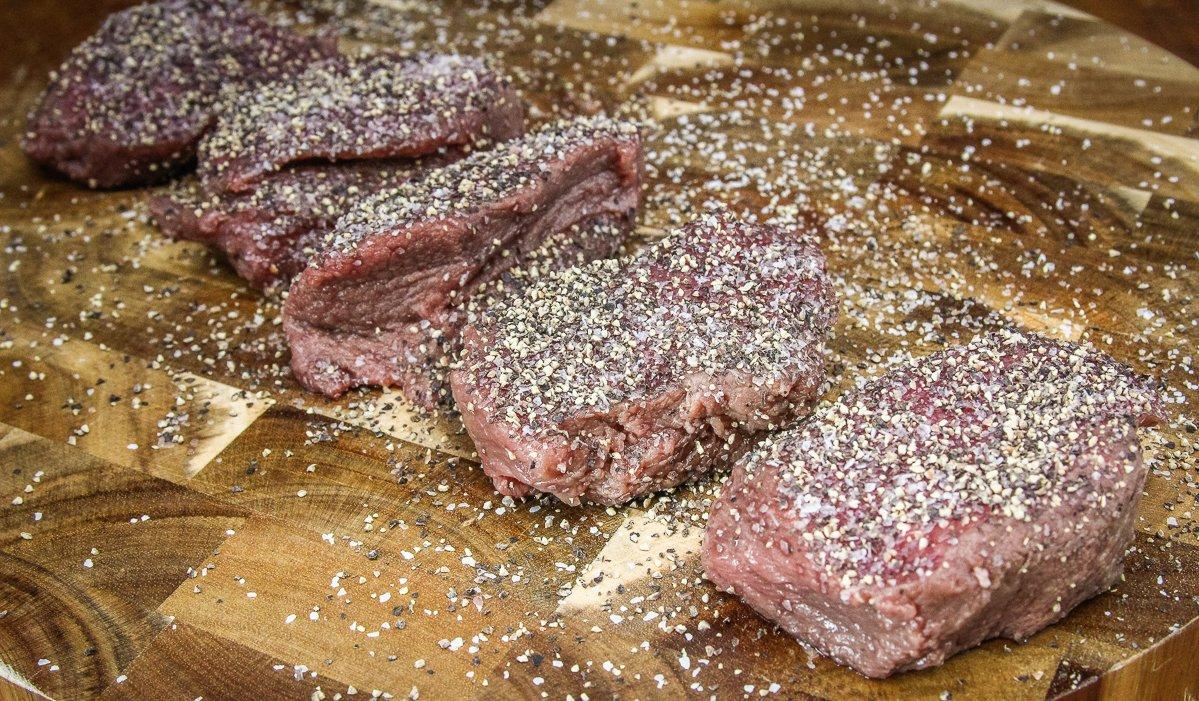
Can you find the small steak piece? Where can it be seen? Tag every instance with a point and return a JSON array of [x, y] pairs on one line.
[[619, 378], [270, 233], [398, 262], [378, 106], [130, 103], [982, 491]]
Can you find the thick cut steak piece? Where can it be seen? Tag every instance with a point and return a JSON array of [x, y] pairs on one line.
[[374, 114], [378, 106], [395, 266], [618, 378], [131, 102], [269, 234], [982, 491]]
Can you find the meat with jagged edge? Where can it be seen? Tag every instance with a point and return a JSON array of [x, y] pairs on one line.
[[438, 345], [273, 226], [269, 234], [619, 378], [983, 491], [430, 345], [131, 102], [380, 105], [393, 268]]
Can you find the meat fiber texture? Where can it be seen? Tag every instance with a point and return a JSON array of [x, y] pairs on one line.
[[376, 106], [982, 491], [269, 234], [597, 239], [430, 346], [620, 378], [399, 262], [275, 220], [131, 102]]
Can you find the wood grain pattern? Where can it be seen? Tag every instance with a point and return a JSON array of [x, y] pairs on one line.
[[185, 662], [1157, 21], [89, 550], [179, 520], [1078, 67]]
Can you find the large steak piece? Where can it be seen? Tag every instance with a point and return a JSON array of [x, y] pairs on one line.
[[131, 102], [619, 378], [393, 270], [982, 491]]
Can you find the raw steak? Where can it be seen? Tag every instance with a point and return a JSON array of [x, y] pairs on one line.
[[435, 346], [378, 106], [623, 377], [289, 196], [130, 103], [399, 261], [982, 491], [269, 234]]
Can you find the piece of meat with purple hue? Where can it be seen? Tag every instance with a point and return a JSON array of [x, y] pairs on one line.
[[366, 109], [619, 378], [982, 491], [395, 265], [433, 345], [269, 234], [377, 106], [131, 102]]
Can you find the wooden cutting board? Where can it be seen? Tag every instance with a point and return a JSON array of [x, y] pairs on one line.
[[179, 520]]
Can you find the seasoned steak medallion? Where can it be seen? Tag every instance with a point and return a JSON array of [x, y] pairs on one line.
[[352, 108], [131, 102], [982, 491], [623, 377]]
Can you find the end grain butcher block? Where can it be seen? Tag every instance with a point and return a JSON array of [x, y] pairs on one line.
[[181, 519]]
